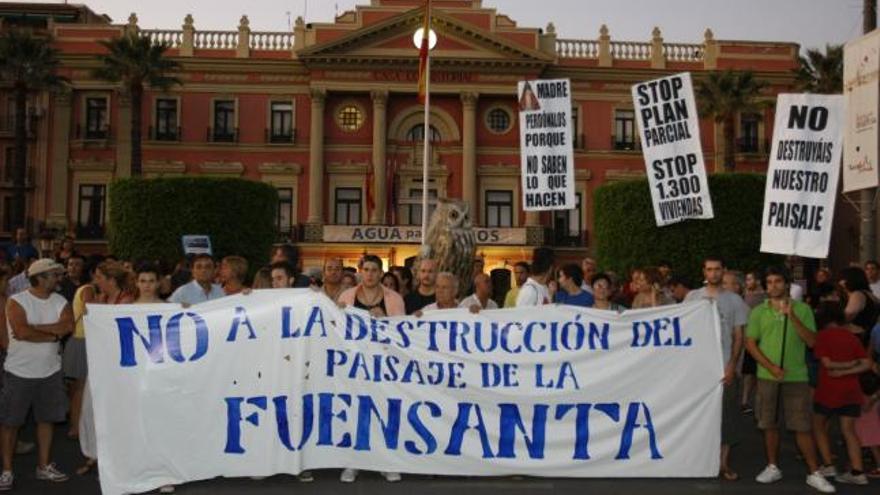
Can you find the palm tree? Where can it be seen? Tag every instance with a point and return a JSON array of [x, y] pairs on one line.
[[722, 96], [28, 64], [821, 73], [137, 61]]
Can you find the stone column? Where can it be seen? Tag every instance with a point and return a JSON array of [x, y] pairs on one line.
[[316, 158], [60, 144], [469, 154], [123, 136], [243, 49], [658, 59], [189, 33], [604, 47], [710, 50], [380, 111]]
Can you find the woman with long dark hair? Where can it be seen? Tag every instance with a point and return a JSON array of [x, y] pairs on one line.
[[862, 307]]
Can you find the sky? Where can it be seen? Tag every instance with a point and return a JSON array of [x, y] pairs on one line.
[[811, 23]]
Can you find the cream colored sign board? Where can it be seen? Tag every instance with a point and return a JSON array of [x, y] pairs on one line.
[[862, 95]]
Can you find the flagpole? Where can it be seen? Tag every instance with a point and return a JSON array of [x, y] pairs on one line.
[[425, 146]]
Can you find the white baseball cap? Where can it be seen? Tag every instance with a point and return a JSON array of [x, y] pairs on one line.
[[44, 265]]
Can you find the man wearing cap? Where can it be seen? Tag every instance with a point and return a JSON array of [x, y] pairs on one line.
[[37, 320]]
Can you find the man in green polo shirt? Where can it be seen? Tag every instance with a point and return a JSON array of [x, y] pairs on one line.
[[779, 332]]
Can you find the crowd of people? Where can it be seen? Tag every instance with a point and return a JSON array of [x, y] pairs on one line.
[[794, 357]]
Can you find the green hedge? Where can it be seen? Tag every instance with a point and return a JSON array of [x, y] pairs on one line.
[[148, 217], [627, 235]]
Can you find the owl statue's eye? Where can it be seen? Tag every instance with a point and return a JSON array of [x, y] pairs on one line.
[[454, 214]]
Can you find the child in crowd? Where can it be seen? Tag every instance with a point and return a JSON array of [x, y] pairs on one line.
[[841, 358]]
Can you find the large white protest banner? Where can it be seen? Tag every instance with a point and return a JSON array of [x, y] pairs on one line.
[[861, 70], [546, 149], [670, 134], [802, 178], [280, 381]]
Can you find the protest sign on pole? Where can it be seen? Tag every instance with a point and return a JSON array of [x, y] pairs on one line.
[[670, 134], [861, 89], [281, 381], [802, 177], [546, 149]]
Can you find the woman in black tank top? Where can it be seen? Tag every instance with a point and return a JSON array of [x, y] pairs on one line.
[[370, 294], [861, 307]]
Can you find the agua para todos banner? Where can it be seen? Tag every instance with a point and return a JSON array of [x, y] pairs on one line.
[[546, 149], [670, 135], [802, 177], [280, 381]]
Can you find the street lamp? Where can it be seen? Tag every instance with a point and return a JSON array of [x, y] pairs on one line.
[[432, 38]]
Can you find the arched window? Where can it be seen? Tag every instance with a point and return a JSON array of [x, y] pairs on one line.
[[417, 134]]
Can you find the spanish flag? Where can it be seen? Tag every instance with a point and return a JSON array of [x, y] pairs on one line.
[[423, 54]]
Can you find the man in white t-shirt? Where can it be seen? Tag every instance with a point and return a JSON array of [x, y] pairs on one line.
[[37, 319], [872, 271], [482, 296], [445, 289], [534, 292]]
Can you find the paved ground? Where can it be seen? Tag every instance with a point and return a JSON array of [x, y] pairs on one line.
[[748, 460]]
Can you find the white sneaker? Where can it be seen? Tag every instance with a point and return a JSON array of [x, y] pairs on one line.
[[828, 471], [167, 489], [50, 472], [770, 474], [391, 477], [306, 477], [6, 480], [852, 479], [817, 481], [348, 475]]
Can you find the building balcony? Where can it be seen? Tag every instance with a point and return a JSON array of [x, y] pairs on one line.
[[216, 135], [625, 144], [563, 237], [273, 137], [7, 126], [170, 135], [752, 146], [100, 134]]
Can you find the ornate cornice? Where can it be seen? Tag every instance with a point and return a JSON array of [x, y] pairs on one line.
[[275, 168]]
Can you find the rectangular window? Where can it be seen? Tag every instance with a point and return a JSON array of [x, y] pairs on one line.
[[499, 209], [7, 213], [284, 218], [8, 163], [413, 212], [748, 141], [96, 118], [166, 119], [281, 122], [348, 206], [224, 121], [578, 138], [567, 224], [90, 211], [624, 130]]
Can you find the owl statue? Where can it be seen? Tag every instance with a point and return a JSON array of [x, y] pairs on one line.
[[451, 242]]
